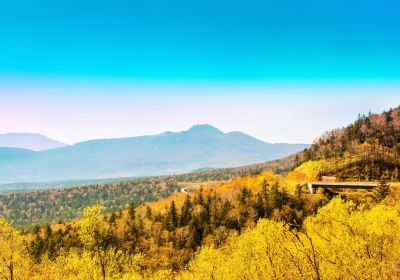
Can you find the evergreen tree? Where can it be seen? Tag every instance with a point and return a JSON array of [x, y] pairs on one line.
[[112, 218], [381, 191], [131, 211], [278, 198], [186, 211], [131, 236], [172, 217], [36, 248], [48, 232], [149, 214], [244, 196], [244, 199], [195, 234], [223, 216], [199, 198], [259, 207], [205, 212]]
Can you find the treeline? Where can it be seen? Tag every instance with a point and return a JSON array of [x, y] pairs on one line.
[[373, 129]]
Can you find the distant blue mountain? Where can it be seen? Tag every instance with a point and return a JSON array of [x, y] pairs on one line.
[[167, 153], [30, 141]]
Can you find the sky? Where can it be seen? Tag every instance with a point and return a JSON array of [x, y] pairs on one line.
[[282, 71]]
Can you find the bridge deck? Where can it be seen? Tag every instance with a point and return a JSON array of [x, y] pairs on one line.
[[345, 184], [312, 186]]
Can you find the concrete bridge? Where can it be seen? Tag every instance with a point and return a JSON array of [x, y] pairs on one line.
[[313, 186]]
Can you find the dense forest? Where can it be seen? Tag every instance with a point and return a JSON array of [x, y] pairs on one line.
[[168, 237], [54, 205], [247, 228]]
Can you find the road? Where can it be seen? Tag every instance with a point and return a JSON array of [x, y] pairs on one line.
[[184, 190]]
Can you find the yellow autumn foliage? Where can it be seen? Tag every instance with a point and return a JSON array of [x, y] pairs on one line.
[[341, 242], [14, 260], [309, 170]]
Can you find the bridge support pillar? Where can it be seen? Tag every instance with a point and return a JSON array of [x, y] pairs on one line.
[[311, 188]]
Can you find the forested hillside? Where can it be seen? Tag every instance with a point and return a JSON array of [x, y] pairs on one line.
[[365, 150]]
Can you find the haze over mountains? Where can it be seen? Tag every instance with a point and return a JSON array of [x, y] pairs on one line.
[[30, 141], [167, 153]]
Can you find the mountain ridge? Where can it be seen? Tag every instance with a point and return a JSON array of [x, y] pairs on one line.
[[162, 154]]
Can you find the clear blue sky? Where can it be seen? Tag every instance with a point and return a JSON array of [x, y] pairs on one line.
[[201, 39], [267, 53]]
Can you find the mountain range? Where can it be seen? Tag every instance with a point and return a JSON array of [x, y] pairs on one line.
[[202, 146], [30, 141]]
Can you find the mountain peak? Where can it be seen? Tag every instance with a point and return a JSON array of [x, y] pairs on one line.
[[168, 153], [204, 129]]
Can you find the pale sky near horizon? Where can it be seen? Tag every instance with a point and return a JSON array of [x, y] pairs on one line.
[[294, 112]]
